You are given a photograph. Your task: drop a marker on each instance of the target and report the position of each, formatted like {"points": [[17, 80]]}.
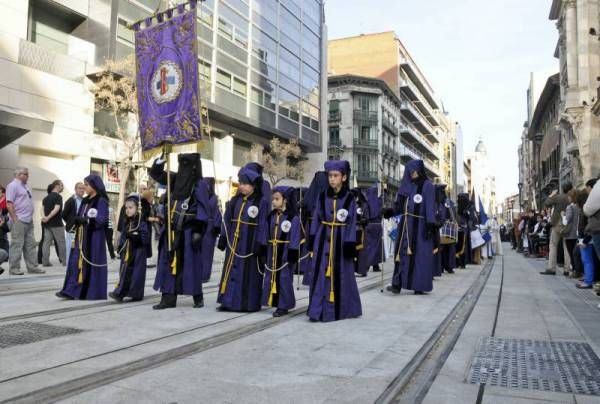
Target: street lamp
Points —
{"points": [[520, 185]]}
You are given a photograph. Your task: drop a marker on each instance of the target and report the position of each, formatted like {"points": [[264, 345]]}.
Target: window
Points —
{"points": [[289, 64], [224, 79], [290, 25], [204, 70], [289, 104], [334, 135], [50, 26], [205, 12], [334, 105], [239, 87], [256, 95], [365, 103], [233, 26]]}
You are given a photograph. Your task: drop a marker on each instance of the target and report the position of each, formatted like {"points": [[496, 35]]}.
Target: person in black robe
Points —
{"points": [[466, 223]]}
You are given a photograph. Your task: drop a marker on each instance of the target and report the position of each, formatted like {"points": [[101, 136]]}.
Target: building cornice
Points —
{"points": [[352, 79], [550, 89]]}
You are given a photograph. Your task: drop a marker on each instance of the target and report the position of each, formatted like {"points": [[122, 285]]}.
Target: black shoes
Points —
{"points": [[418, 292], [361, 275], [548, 272], [280, 312], [376, 268], [198, 302], [222, 308], [166, 302], [61, 295], [1, 271], [115, 297], [450, 271], [394, 289]]}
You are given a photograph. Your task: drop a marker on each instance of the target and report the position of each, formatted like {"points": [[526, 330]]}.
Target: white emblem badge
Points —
{"points": [[166, 82], [417, 198], [92, 213], [342, 215], [253, 211], [447, 204], [359, 211], [286, 225]]}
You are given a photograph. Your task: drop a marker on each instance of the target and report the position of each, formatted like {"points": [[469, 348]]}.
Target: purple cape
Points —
{"points": [[334, 292], [283, 242], [134, 252], [82, 280], [245, 226]]}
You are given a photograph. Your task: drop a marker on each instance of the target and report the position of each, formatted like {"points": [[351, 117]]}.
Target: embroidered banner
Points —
{"points": [[167, 78]]}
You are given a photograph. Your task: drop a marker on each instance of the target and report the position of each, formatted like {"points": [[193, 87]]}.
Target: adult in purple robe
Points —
{"points": [[333, 290], [440, 215], [212, 231], [283, 249], [362, 220], [466, 223], [413, 252], [87, 272], [243, 232], [318, 185], [133, 252], [448, 251], [374, 230], [179, 268]]}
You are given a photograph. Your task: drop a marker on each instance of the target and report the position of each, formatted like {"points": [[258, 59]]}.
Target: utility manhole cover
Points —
{"points": [[563, 367], [27, 332]]}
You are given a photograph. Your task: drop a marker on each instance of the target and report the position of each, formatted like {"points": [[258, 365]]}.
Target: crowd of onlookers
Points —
{"points": [[566, 232], [17, 221]]}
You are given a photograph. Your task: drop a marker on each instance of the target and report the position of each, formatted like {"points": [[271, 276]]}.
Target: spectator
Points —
{"points": [[40, 249], [558, 203], [2, 200], [19, 203], [570, 220], [53, 225], [4, 246], [592, 211], [68, 215]]}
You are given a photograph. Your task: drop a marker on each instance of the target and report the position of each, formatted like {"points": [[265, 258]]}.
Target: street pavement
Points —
{"points": [[128, 352]]}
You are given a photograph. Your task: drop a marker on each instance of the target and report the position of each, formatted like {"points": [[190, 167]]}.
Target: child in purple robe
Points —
{"points": [[87, 272], [133, 251], [283, 246], [243, 232], [333, 289]]}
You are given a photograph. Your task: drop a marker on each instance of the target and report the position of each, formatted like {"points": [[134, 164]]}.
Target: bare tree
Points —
{"points": [[280, 160], [115, 94]]}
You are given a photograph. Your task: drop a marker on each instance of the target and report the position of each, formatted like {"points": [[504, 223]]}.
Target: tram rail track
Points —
{"points": [[66, 389]]}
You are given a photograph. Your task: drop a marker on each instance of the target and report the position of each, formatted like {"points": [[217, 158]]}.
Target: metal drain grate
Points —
{"points": [[28, 332], [563, 367]]}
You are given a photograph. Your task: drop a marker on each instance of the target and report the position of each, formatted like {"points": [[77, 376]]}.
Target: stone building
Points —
{"points": [[578, 24]]}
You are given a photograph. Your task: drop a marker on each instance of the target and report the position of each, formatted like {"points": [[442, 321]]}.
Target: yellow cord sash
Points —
{"points": [[274, 243], [236, 237]]}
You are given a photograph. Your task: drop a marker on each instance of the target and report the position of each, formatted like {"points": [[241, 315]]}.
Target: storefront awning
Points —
{"points": [[14, 123]]}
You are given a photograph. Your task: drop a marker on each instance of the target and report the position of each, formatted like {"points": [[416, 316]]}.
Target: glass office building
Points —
{"points": [[260, 62]]}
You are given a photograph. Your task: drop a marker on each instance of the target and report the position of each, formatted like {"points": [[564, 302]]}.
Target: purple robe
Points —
{"points": [[187, 279], [416, 203], [210, 237], [441, 219], [334, 295], [282, 246], [362, 217], [84, 281], [240, 288], [133, 254]]}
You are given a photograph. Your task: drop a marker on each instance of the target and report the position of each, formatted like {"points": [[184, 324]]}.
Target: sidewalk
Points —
{"points": [[535, 307]]}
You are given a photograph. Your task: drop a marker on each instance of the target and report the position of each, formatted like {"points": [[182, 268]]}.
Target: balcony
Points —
{"points": [[407, 153], [414, 137], [411, 114], [366, 176], [393, 182], [57, 64], [334, 116], [415, 95], [390, 152], [335, 144], [366, 143], [368, 117], [390, 126]]}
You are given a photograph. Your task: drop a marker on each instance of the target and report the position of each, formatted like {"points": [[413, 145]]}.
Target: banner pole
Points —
{"points": [[168, 218]]}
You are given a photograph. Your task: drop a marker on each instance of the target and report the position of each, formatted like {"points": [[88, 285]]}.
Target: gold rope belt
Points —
{"points": [[333, 223], [243, 222], [279, 241]]}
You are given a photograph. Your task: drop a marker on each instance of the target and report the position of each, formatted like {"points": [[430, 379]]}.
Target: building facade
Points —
{"points": [[364, 128], [383, 56], [578, 24], [262, 65]]}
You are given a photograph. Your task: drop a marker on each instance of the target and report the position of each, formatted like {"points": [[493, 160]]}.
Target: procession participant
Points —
{"points": [[317, 186], [333, 289], [179, 269], [283, 246], [448, 251], [87, 270], [133, 252], [374, 231], [440, 215], [415, 246], [243, 231], [362, 220], [466, 223], [212, 231]]}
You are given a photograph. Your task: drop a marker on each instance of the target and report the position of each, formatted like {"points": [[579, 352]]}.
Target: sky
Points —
{"points": [[476, 54]]}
